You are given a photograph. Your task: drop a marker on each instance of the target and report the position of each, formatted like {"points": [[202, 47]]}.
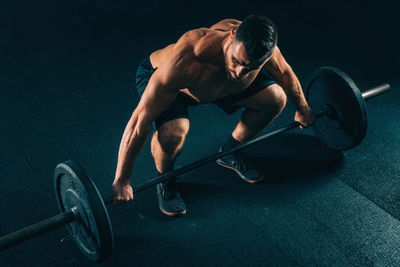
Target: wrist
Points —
{"points": [[303, 108], [121, 180]]}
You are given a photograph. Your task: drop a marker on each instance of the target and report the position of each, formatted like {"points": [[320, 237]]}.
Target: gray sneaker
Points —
{"points": [[242, 165], [169, 200]]}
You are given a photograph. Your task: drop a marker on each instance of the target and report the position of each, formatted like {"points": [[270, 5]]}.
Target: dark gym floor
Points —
{"points": [[68, 88]]}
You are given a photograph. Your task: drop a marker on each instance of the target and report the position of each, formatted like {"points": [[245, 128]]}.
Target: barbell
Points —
{"points": [[341, 123]]}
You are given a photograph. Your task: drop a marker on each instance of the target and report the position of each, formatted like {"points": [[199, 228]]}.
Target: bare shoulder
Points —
{"points": [[276, 56], [226, 25], [185, 61], [190, 38], [202, 43], [277, 64], [180, 64]]}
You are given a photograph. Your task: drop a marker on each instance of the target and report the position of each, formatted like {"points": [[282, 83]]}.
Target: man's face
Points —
{"points": [[237, 62]]}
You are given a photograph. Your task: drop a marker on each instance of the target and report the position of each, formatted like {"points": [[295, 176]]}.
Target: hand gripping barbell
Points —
{"points": [[341, 123]]}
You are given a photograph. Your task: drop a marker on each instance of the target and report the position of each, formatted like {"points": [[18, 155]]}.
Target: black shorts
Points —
{"points": [[178, 108]]}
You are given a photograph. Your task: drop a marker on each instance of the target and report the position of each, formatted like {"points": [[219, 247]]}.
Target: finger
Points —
{"points": [[119, 201], [127, 199]]}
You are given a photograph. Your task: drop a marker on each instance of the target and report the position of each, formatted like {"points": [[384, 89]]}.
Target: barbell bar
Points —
{"points": [[343, 117]]}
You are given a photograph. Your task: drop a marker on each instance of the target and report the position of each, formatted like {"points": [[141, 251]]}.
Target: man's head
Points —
{"points": [[250, 45]]}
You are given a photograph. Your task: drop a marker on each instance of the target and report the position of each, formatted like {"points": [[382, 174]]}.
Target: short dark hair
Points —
{"points": [[259, 36]]}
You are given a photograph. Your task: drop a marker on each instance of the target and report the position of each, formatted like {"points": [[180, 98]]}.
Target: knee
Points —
{"points": [[279, 98], [171, 136]]}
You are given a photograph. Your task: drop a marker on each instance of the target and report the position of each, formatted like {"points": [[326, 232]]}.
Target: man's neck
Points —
{"points": [[225, 43]]}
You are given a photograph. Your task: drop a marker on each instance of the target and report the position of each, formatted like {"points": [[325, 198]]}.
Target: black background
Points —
{"points": [[67, 89]]}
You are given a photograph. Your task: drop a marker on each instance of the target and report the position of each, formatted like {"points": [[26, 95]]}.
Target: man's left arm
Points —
{"points": [[287, 79]]}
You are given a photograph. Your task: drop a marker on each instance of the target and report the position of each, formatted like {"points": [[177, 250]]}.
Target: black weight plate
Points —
{"points": [[92, 231], [347, 125]]}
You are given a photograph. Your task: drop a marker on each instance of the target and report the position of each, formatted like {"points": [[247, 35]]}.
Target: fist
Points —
{"points": [[305, 117], [122, 192]]}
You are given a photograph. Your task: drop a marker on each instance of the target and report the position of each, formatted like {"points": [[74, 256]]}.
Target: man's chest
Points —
{"points": [[213, 83]]}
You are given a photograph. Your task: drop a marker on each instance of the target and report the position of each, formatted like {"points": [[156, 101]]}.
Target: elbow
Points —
{"points": [[142, 127]]}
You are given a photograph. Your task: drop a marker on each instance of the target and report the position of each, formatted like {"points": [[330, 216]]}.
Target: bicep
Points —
{"points": [[162, 89], [155, 99]]}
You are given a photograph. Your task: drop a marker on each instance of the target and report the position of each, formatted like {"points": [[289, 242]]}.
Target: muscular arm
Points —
{"points": [[284, 75], [161, 90]]}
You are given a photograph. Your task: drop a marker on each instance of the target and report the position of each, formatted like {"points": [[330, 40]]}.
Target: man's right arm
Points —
{"points": [[161, 90]]}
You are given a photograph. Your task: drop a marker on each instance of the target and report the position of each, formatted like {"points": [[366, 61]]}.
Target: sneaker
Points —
{"points": [[242, 165], [169, 200]]}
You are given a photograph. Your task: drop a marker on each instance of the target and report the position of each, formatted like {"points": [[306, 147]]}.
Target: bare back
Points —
{"points": [[205, 62]]}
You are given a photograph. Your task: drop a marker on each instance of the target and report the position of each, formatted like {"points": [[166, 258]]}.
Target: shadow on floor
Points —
{"points": [[290, 157], [286, 159]]}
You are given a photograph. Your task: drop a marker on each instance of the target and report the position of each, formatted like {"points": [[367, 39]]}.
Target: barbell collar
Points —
{"points": [[72, 215], [378, 90]]}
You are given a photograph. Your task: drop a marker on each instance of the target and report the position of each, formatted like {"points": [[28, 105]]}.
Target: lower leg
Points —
{"points": [[164, 156], [165, 147], [251, 122]]}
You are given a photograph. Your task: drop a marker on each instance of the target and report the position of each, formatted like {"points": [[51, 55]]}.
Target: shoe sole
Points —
{"points": [[173, 214], [249, 181]]}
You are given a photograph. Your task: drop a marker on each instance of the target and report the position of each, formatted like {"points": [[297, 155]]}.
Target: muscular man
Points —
{"points": [[232, 64]]}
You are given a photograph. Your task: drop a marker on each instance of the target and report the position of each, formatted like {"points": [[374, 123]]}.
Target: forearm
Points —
{"points": [[293, 90], [133, 140]]}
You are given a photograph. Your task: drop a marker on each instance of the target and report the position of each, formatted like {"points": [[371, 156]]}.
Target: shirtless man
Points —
{"points": [[222, 65]]}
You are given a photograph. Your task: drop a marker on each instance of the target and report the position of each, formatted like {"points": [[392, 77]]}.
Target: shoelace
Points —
{"points": [[168, 189]]}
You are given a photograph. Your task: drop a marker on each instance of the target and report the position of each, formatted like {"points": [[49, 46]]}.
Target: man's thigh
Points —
{"points": [[270, 98]]}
